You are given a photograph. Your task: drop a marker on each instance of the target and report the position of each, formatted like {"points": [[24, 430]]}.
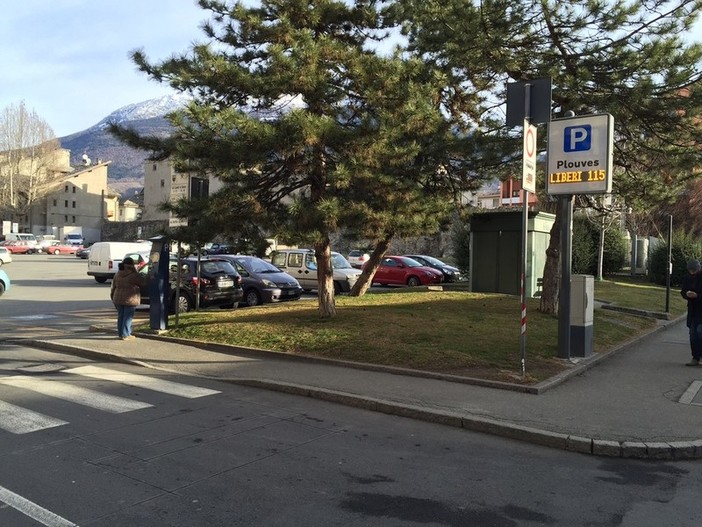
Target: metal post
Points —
{"points": [[566, 211], [525, 227], [669, 267]]}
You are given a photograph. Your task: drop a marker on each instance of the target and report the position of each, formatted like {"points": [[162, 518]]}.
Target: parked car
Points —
{"points": [[262, 281], [218, 248], [400, 270], [220, 284], [5, 256], [56, 247], [20, 247], [4, 282], [451, 273], [83, 252], [301, 264], [357, 258]]}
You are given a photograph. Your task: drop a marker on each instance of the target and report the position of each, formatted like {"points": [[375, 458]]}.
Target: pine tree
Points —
{"points": [[307, 122], [628, 59]]}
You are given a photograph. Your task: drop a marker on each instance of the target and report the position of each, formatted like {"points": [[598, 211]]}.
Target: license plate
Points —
{"points": [[226, 283]]}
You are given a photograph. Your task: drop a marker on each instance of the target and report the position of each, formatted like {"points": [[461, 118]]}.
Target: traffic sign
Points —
{"points": [[580, 155], [529, 158]]}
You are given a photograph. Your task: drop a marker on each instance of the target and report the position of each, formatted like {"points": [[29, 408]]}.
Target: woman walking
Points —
{"points": [[126, 295]]}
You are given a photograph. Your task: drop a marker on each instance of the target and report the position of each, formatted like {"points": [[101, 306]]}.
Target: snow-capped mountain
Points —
{"points": [[145, 110], [126, 170]]}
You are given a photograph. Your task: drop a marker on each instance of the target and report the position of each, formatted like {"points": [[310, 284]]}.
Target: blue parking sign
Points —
{"points": [[577, 138], [580, 155]]}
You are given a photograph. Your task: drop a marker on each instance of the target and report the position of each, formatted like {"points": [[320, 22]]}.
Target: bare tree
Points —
{"points": [[29, 159]]}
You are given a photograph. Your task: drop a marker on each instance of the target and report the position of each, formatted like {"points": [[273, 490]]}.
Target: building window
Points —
{"points": [[65, 219], [155, 166], [65, 203], [74, 219], [74, 190], [163, 183], [199, 187], [65, 188], [55, 202], [74, 204]]}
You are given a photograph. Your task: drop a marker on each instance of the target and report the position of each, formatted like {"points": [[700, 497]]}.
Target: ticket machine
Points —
{"points": [[159, 289]]}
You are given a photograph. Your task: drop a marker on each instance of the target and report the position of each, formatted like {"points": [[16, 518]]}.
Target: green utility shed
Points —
{"points": [[496, 251]]}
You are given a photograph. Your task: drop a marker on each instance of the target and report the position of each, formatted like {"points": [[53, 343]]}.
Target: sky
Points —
{"points": [[68, 60]]}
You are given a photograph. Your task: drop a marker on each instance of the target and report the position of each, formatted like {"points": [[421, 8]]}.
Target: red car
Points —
{"points": [[19, 247], [400, 270], [57, 247]]}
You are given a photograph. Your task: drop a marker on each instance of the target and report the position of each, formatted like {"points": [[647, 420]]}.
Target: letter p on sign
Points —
{"points": [[577, 138]]}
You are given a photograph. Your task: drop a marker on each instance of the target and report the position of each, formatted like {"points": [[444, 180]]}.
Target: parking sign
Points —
{"points": [[580, 155]]}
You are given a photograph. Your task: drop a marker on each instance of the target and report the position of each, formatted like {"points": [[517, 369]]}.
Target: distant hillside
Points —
{"points": [[126, 172]]}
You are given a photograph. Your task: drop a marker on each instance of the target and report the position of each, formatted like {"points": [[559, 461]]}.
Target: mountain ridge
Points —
{"points": [[126, 170]]}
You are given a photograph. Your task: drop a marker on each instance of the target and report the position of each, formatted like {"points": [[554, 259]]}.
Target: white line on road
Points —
{"points": [[33, 510], [690, 393], [18, 420], [143, 381], [75, 394]]}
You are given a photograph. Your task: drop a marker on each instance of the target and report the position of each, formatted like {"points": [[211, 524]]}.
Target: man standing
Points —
{"points": [[692, 292]]}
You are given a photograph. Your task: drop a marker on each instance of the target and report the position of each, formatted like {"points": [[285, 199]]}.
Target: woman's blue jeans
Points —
{"points": [[125, 315]]}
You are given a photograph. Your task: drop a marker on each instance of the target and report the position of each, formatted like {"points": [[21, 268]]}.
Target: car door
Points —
{"points": [[382, 275], [395, 272]]}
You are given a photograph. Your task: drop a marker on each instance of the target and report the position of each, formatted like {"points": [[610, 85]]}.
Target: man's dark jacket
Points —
{"points": [[693, 282]]}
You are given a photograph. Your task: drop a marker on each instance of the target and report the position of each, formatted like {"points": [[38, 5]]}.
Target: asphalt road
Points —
{"points": [[134, 451]]}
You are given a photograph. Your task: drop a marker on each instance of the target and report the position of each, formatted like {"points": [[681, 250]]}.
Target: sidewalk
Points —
{"points": [[641, 402]]}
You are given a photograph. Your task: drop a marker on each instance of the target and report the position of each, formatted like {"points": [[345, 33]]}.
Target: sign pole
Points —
{"points": [[525, 232]]}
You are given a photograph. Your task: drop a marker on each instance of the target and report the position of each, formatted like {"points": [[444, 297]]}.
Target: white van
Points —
{"points": [[302, 264], [22, 237], [104, 257]]}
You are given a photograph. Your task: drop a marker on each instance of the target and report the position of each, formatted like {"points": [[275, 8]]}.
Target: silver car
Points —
{"points": [[262, 281]]}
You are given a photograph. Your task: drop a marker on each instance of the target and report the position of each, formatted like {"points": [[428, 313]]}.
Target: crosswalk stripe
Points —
{"points": [[18, 420], [76, 394], [142, 381]]}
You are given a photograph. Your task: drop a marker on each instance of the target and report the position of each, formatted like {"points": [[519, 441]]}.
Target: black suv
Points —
{"points": [[220, 284]]}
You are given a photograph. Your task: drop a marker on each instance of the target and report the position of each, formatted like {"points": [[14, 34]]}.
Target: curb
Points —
{"points": [[659, 450]]}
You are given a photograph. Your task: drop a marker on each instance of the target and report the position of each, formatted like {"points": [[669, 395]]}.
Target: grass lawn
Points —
{"points": [[456, 332]]}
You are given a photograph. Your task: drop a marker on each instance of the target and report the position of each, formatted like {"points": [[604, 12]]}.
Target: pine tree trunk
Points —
{"points": [[366, 279], [550, 290], [325, 279]]}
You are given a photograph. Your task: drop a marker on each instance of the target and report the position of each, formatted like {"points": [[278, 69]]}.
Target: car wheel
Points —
{"points": [[252, 298], [413, 281], [57, 251], [100, 279], [337, 288], [184, 304], [2, 288]]}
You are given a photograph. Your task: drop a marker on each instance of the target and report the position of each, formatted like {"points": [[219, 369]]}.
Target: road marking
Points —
{"points": [[143, 381], [690, 393], [18, 420], [76, 394], [34, 511]]}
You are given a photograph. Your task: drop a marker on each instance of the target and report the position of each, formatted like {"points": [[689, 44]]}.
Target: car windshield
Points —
{"points": [[259, 266], [339, 262], [217, 267], [434, 261], [409, 262]]}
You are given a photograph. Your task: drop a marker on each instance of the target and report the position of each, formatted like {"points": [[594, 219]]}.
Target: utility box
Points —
{"points": [[495, 252], [582, 300]]}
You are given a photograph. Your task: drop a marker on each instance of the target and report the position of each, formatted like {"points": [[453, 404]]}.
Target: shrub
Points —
{"points": [[685, 247], [586, 243]]}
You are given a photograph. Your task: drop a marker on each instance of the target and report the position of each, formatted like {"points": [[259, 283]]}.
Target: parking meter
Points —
{"points": [[159, 289]]}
